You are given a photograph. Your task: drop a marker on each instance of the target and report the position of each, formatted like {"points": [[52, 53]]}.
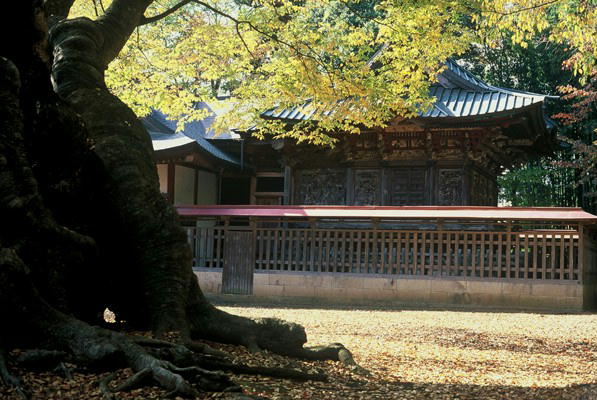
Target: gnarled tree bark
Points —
{"points": [[81, 212]]}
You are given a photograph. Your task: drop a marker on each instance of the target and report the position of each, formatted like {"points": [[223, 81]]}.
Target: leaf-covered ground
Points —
{"points": [[410, 355]]}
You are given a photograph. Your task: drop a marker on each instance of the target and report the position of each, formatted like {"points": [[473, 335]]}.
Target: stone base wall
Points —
{"points": [[362, 289]]}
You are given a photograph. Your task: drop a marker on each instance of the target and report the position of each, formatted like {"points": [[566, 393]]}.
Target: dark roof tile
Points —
{"points": [[461, 94]]}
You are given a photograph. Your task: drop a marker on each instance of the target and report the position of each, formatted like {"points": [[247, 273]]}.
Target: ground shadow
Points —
{"points": [[235, 300]]}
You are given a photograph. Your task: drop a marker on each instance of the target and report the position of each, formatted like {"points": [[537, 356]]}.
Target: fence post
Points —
{"points": [[583, 269]]}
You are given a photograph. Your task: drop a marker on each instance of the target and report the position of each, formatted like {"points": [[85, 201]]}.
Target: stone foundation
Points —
{"points": [[360, 289]]}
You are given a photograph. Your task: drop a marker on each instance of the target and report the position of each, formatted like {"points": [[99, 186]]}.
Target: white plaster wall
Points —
{"points": [[184, 184], [163, 175], [207, 188]]}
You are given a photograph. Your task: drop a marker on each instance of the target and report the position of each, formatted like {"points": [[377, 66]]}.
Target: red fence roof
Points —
{"points": [[420, 212]]}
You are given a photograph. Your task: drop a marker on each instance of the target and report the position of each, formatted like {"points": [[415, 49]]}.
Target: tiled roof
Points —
{"points": [[457, 102], [164, 136], [458, 93], [214, 110]]}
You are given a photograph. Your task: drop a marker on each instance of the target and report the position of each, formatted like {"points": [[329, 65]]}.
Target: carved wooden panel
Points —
{"points": [[483, 190], [367, 188], [320, 186], [363, 147], [450, 187], [404, 141], [405, 187]]}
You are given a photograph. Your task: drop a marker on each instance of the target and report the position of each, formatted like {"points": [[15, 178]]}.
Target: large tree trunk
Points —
{"points": [[84, 226]]}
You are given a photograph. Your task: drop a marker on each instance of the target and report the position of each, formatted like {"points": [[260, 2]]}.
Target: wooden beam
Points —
{"points": [[170, 181]]}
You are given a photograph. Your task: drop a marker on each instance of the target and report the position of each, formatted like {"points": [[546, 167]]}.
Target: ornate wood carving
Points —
{"points": [[321, 186], [367, 184], [405, 186], [447, 140], [364, 146], [450, 187], [483, 190], [404, 141]]}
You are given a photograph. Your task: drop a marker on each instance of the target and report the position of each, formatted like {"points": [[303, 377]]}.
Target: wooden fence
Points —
{"points": [[497, 250]]}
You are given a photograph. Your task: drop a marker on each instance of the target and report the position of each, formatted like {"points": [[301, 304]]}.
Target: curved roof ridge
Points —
{"points": [[461, 73]]}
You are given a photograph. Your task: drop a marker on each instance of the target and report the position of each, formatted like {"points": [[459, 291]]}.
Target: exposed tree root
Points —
{"points": [[149, 368], [282, 373], [192, 345], [105, 388], [63, 370], [278, 336], [184, 356], [137, 380], [175, 367], [8, 379], [336, 352], [41, 359]]}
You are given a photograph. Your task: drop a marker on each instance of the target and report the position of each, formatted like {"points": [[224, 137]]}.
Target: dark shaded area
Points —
{"points": [[235, 190]]}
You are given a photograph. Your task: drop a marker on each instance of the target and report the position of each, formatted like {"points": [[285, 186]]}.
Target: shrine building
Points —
{"points": [[405, 214]]}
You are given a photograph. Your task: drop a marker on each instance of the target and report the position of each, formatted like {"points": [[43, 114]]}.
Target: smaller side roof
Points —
{"points": [[164, 136]]}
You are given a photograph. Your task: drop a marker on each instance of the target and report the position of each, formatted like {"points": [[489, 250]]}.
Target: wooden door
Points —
{"points": [[239, 263], [405, 186]]}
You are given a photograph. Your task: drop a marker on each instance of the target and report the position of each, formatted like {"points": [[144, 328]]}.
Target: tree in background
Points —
{"points": [[580, 122], [536, 68], [540, 46]]}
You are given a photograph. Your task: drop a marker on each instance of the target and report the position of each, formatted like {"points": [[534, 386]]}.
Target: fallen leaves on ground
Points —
{"points": [[410, 354]]}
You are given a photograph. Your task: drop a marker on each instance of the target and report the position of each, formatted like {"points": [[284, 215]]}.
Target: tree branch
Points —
{"points": [[148, 20], [238, 22], [116, 26], [547, 3], [270, 36]]}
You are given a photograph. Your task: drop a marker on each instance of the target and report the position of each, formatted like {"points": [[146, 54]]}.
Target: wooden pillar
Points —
{"points": [[195, 185], [349, 201], [431, 191], [383, 186], [583, 267], [252, 190], [171, 181], [287, 185], [466, 183], [219, 186]]}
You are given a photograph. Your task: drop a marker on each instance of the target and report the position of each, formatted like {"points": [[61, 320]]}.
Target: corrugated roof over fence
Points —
{"points": [[404, 212], [458, 94]]}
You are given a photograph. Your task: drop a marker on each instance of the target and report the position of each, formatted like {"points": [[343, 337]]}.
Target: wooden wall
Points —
{"points": [[422, 183]]}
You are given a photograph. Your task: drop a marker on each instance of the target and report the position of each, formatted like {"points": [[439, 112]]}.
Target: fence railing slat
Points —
{"points": [[518, 254]]}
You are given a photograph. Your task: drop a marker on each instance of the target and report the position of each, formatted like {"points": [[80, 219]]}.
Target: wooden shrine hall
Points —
{"points": [[448, 155], [403, 214]]}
